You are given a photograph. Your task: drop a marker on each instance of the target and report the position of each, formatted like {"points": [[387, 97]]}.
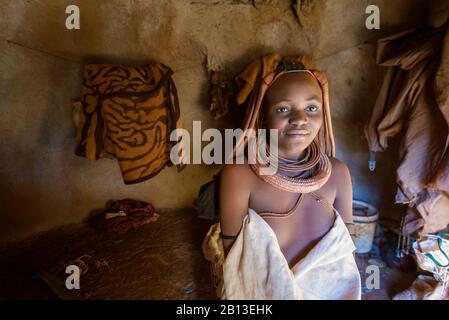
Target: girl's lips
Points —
{"points": [[298, 132]]}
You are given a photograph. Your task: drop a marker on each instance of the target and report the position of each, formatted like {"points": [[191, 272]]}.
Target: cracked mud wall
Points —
{"points": [[43, 184]]}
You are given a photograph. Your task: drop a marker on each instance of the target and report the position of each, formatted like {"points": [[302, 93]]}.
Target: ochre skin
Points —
{"points": [[292, 103]]}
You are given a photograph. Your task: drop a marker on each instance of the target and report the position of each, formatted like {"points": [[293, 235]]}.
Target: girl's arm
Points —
{"points": [[234, 194], [343, 199]]}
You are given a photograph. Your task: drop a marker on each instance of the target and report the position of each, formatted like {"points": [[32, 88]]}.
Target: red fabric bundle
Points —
{"points": [[125, 215]]}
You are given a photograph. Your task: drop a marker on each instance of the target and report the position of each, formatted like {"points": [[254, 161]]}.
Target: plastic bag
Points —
{"points": [[432, 254]]}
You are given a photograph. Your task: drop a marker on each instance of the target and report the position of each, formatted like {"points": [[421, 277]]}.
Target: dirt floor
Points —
{"points": [[161, 260]]}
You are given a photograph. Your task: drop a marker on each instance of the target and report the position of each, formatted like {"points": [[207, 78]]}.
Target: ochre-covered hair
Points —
{"points": [[256, 78]]}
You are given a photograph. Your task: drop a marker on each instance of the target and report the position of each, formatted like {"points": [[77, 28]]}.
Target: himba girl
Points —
{"points": [[283, 236]]}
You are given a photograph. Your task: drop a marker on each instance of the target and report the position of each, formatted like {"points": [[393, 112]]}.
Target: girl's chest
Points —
{"points": [[298, 221]]}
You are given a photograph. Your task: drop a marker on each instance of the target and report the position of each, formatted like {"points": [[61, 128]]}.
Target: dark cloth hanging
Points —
{"points": [[414, 100]]}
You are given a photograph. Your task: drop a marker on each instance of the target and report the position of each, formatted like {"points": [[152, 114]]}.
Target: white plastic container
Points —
{"points": [[364, 227]]}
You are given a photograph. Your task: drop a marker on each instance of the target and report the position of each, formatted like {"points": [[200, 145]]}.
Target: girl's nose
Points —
{"points": [[298, 118]]}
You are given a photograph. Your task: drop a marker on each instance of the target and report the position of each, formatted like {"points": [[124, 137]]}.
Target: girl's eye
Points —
{"points": [[281, 109], [312, 108]]}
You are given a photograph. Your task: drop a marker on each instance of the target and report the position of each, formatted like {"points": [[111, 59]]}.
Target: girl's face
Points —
{"points": [[293, 105]]}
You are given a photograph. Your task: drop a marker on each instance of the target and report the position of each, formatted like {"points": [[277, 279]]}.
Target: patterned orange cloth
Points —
{"points": [[128, 114]]}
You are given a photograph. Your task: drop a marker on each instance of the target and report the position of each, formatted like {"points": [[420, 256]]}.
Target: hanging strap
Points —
{"points": [[431, 256]]}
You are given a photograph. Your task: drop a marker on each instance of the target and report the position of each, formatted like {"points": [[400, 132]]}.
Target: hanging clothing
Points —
{"points": [[256, 269], [414, 100], [206, 204], [221, 94], [128, 114]]}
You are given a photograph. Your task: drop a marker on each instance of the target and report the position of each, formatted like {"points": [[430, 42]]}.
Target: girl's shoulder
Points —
{"points": [[339, 176], [340, 173], [338, 166], [240, 173]]}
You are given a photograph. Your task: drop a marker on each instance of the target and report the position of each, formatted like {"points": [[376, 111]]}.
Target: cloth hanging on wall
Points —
{"points": [[414, 100], [221, 94], [128, 113]]}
